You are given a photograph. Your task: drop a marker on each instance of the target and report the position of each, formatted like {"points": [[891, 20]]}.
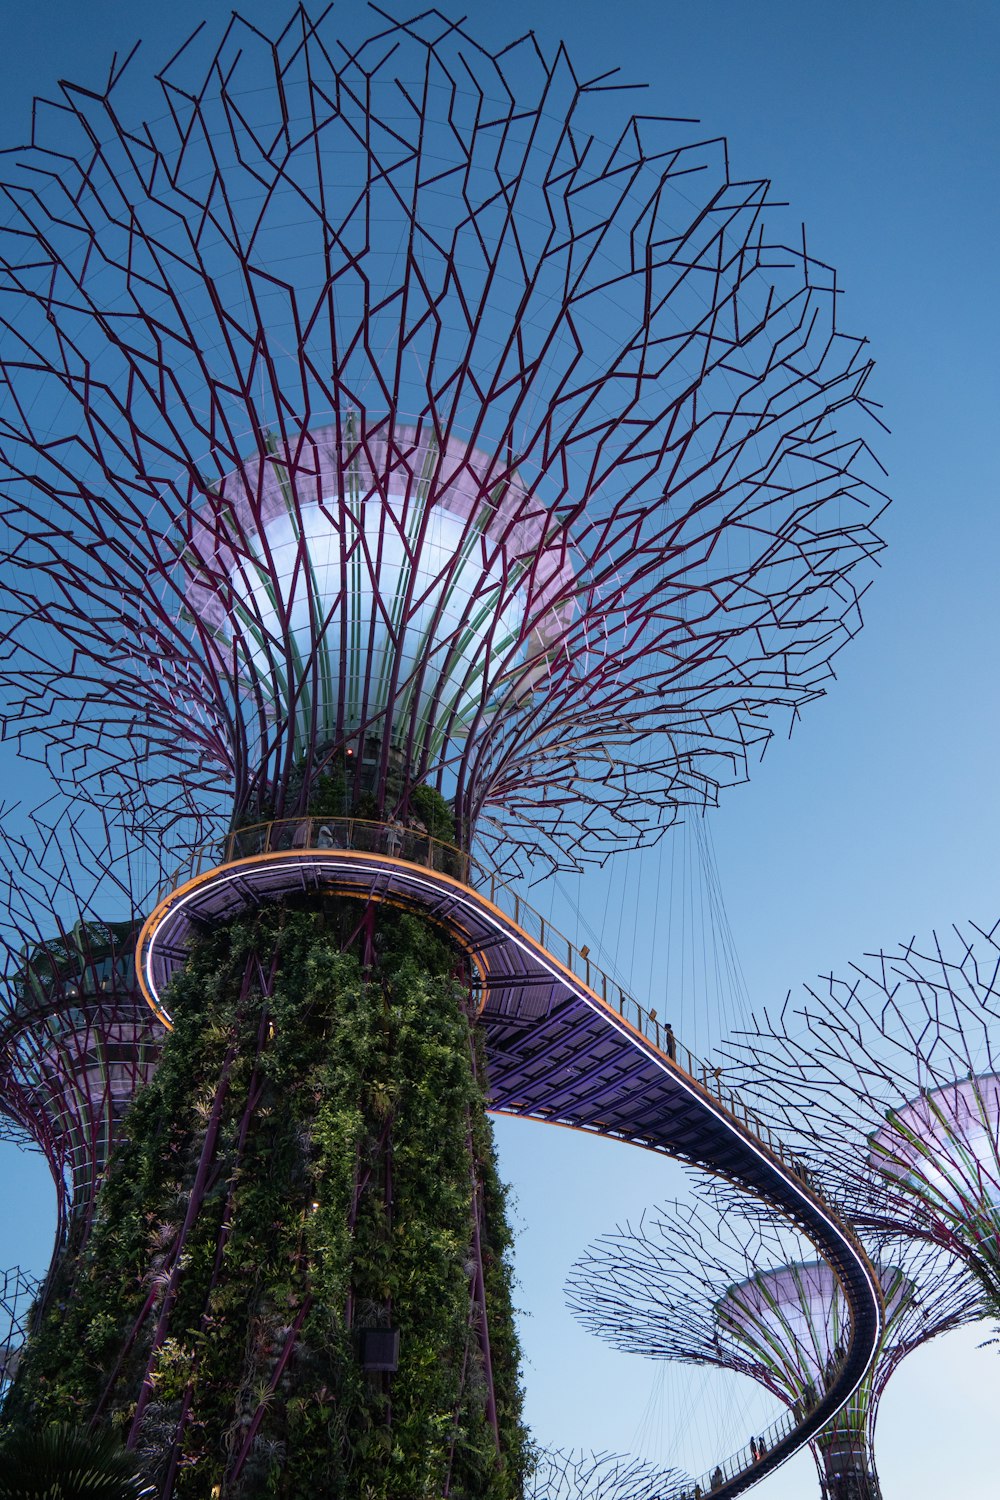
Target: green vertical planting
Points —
{"points": [[301, 1165]]}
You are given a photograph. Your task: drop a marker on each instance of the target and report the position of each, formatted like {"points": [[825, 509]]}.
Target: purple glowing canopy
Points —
{"points": [[381, 274], [943, 1148], [710, 1284], [794, 1319], [384, 587]]}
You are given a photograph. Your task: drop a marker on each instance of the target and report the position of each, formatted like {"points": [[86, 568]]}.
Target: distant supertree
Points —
{"points": [[712, 1285], [889, 1081], [388, 464], [561, 1475], [18, 1291], [77, 1039]]}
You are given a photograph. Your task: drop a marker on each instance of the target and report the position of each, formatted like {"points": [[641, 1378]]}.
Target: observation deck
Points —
{"points": [[565, 1044]]}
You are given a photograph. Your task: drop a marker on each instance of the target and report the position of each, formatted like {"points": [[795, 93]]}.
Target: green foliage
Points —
{"points": [[335, 1192], [328, 795], [64, 1463], [434, 812], [331, 793], [366, 807]]}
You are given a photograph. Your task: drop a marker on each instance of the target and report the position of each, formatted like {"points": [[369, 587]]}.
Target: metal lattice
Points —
{"points": [[18, 1291], [888, 1082], [367, 404], [567, 1475], [370, 425]]}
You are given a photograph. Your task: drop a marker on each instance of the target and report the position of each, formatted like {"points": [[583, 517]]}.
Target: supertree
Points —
{"points": [[712, 1284], [888, 1080], [77, 1039], [390, 463], [18, 1291]]}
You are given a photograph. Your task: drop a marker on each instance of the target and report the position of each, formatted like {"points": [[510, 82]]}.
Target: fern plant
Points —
{"points": [[67, 1463]]}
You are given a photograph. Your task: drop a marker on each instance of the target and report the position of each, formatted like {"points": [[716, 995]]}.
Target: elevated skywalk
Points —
{"points": [[564, 1043]]}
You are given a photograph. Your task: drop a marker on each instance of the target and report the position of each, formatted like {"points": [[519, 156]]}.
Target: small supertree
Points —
{"points": [[888, 1081], [379, 445], [562, 1475], [18, 1291], [715, 1285], [77, 1040]]}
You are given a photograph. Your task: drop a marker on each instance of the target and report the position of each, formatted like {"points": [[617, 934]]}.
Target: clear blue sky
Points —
{"points": [[878, 121]]}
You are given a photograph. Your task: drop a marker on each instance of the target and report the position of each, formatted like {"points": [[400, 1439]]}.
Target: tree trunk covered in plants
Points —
{"points": [[311, 1158]]}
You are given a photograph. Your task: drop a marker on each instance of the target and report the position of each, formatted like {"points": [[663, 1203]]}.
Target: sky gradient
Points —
{"points": [[877, 121]]}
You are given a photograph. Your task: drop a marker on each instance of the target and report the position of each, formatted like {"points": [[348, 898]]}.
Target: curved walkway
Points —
{"points": [[564, 1043]]}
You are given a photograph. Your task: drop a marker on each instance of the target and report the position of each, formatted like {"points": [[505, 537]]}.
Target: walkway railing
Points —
{"points": [[614, 995], [743, 1461], [282, 835], [398, 839]]}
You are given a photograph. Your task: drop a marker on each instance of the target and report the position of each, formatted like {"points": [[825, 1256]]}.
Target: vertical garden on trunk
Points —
{"points": [[311, 1160]]}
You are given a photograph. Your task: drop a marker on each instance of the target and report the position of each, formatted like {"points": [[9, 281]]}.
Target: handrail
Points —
{"points": [[709, 1079], [396, 839], [409, 841], [746, 1457], [614, 994]]}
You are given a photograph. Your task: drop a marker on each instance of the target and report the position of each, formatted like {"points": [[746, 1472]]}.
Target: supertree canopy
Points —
{"points": [[390, 462], [888, 1082], [77, 1040], [401, 416], [943, 1150], [706, 1284]]}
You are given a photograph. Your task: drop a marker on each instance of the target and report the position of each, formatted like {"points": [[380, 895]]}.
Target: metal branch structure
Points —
{"points": [[391, 465], [18, 1292], [76, 1037], [561, 1475], [370, 405], [712, 1284], [888, 1081]]}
